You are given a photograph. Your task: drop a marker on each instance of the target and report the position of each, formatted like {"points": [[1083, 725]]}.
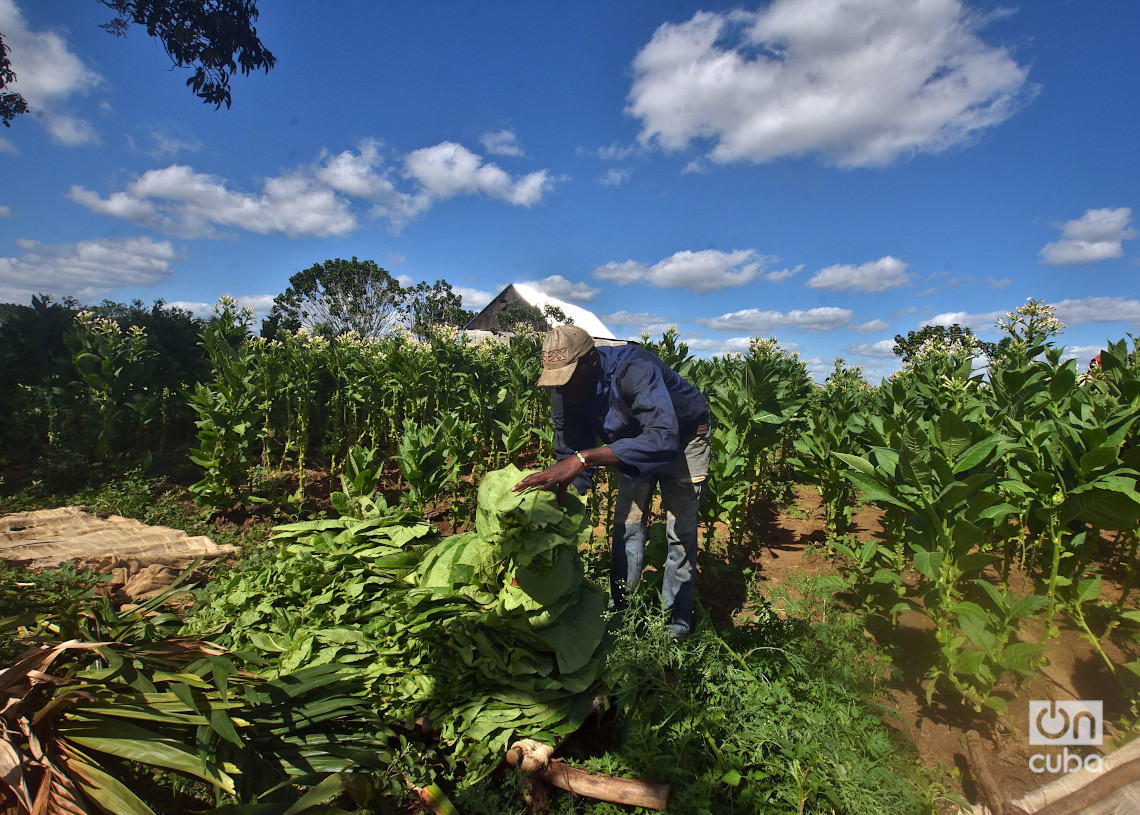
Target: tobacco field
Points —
{"points": [[399, 617]]}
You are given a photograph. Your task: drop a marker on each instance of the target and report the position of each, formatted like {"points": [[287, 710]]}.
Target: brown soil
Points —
{"points": [[788, 541]]}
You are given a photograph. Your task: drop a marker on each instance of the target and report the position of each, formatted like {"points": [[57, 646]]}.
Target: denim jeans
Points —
{"points": [[680, 483]]}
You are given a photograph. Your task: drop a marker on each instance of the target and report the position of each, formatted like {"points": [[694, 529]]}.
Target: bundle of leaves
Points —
{"points": [[100, 703], [321, 595], [506, 632], [490, 635]]}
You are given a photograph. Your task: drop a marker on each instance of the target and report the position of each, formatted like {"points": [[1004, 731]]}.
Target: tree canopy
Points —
{"points": [[214, 37], [434, 305], [954, 335], [520, 317], [338, 296], [11, 104]]}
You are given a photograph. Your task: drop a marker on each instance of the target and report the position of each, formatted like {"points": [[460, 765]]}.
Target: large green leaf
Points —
{"points": [[953, 434], [856, 462], [575, 639], [928, 564], [127, 741], [547, 586], [102, 788], [1021, 657], [874, 491], [1104, 508], [985, 449]]}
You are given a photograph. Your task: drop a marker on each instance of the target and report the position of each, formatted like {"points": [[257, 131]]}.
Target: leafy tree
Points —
{"points": [[214, 37], [956, 335], [11, 104], [338, 296], [435, 305], [520, 317]]}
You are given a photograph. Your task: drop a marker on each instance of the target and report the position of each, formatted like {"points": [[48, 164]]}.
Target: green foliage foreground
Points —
{"points": [[497, 634], [309, 666]]}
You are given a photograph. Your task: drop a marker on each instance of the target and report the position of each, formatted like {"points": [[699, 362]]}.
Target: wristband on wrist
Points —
{"points": [[581, 458]]}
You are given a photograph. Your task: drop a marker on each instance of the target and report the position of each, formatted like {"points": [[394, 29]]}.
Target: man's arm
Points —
{"points": [[559, 476]]}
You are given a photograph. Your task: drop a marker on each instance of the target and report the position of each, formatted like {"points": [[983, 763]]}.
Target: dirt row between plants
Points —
{"points": [[789, 542]]}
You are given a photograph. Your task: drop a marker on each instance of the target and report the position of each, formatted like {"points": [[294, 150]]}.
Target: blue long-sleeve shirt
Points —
{"points": [[641, 408]]}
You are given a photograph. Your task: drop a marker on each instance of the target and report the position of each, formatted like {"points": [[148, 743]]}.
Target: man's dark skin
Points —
{"points": [[557, 477]]}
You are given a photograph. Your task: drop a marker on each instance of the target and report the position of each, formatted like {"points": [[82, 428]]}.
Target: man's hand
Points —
{"points": [[556, 477]]}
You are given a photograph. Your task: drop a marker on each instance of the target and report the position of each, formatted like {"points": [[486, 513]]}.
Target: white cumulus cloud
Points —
{"points": [[179, 201], [703, 271], [1097, 235], [871, 327], [47, 75], [87, 270], [878, 275], [615, 177], [1098, 310], [503, 143], [980, 321], [883, 349], [169, 138], [754, 321], [629, 318], [325, 199], [449, 169], [858, 82], [473, 299], [559, 287], [704, 345]]}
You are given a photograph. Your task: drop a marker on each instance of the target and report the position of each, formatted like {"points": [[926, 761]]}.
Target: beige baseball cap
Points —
{"points": [[563, 347]]}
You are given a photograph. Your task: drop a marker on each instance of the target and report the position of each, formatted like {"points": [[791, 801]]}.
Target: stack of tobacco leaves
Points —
{"points": [[493, 634]]}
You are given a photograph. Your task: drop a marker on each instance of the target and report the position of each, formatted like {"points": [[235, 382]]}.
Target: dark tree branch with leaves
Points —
{"points": [[216, 38], [11, 104], [520, 317]]}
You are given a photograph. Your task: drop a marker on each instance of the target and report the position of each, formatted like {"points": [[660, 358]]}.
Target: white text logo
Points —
{"points": [[1054, 723]]}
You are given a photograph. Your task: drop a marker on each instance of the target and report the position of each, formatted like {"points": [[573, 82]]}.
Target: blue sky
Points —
{"points": [[828, 172]]}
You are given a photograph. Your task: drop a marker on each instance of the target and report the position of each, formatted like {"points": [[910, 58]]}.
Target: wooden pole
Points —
{"points": [[989, 788], [534, 758], [1096, 790], [646, 794]]}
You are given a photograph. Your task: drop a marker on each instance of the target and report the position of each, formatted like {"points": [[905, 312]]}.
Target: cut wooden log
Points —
{"points": [[646, 794], [991, 792], [534, 757], [1095, 791]]}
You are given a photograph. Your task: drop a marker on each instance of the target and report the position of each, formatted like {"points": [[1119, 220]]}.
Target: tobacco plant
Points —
{"points": [[111, 396], [835, 422], [941, 479], [230, 410]]}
